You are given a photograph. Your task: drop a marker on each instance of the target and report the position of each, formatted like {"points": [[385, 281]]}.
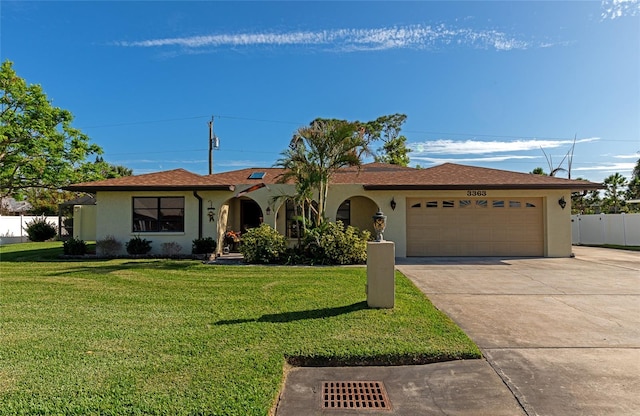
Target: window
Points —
{"points": [[293, 215], [158, 214], [448, 204], [418, 205], [344, 213], [530, 205], [256, 175], [465, 203], [514, 204], [431, 204], [481, 203], [498, 204]]}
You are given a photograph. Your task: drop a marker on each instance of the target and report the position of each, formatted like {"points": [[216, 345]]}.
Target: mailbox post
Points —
{"points": [[380, 267]]}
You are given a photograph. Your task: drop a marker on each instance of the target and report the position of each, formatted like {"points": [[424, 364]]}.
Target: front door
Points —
{"points": [[250, 214]]}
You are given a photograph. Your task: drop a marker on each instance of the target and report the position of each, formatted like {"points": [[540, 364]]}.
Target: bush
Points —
{"points": [[138, 245], [74, 247], [203, 246], [109, 247], [171, 249], [263, 245], [40, 230], [332, 244]]}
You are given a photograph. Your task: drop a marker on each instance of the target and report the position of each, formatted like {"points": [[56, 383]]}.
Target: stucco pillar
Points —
{"points": [[381, 290]]}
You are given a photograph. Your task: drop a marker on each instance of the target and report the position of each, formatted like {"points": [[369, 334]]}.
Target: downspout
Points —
{"points": [[199, 198]]}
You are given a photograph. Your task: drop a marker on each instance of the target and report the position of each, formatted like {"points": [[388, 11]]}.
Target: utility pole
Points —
{"points": [[214, 143]]}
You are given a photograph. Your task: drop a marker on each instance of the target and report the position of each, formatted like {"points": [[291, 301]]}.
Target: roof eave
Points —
{"points": [[94, 189]]}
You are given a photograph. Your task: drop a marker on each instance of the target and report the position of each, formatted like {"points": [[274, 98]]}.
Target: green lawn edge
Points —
{"points": [[179, 337]]}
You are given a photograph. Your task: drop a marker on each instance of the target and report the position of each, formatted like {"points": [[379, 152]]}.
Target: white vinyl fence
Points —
{"points": [[12, 227], [620, 229]]}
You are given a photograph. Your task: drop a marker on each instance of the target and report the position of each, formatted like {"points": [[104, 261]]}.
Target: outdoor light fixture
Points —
{"points": [[393, 203], [379, 224], [211, 211], [562, 202], [268, 211]]}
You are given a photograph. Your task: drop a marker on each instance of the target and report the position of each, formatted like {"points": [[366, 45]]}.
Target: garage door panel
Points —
{"points": [[468, 227]]}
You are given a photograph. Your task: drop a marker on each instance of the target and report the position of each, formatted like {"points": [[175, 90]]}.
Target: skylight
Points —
{"points": [[256, 175]]}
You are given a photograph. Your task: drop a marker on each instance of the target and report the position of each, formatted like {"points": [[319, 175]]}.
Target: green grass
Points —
{"points": [[179, 337]]}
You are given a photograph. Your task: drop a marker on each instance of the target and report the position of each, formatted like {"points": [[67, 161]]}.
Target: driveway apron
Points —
{"points": [[563, 334]]}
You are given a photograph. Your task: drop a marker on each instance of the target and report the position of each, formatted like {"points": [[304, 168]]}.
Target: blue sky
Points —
{"points": [[482, 83]]}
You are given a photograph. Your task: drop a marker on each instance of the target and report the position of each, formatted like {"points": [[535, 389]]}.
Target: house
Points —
{"points": [[446, 210]]}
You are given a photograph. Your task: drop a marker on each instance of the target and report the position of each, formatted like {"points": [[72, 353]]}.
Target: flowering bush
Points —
{"points": [[263, 245], [332, 244]]}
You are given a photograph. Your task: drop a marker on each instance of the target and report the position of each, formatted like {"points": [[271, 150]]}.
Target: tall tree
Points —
{"points": [[316, 152], [614, 185], [38, 146], [394, 149], [539, 171]]}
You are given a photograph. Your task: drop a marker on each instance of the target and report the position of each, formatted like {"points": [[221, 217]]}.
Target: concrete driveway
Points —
{"points": [[563, 334]]}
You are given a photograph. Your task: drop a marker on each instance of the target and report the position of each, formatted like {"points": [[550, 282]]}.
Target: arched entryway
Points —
{"points": [[357, 211], [251, 215]]}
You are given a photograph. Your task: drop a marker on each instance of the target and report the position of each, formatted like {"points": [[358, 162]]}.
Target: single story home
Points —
{"points": [[445, 210]]}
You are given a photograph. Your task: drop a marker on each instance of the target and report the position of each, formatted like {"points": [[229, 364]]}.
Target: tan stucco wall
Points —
{"points": [[557, 222], [114, 213], [115, 217], [84, 222]]}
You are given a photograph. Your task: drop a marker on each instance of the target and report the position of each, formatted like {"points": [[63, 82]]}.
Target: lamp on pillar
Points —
{"points": [[379, 224]]}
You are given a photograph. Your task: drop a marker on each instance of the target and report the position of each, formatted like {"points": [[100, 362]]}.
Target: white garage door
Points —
{"points": [[475, 227]]}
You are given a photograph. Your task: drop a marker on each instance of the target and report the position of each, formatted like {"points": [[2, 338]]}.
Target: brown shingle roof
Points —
{"points": [[454, 176], [372, 176], [166, 180]]}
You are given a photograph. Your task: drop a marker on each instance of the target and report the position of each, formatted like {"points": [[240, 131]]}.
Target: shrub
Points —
{"points": [[332, 244], [74, 247], [263, 245], [40, 230], [203, 245], [138, 245], [171, 249], [108, 247]]}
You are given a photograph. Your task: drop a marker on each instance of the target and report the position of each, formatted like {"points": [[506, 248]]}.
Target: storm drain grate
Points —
{"points": [[365, 395]]}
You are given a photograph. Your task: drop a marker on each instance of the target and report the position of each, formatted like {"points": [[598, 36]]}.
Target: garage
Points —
{"points": [[475, 226]]}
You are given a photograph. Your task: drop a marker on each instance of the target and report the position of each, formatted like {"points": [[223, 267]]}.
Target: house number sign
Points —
{"points": [[476, 193]]}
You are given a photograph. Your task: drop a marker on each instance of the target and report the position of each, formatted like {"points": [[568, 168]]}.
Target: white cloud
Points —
{"points": [[630, 156], [396, 37], [466, 147], [608, 167], [615, 9], [501, 158]]}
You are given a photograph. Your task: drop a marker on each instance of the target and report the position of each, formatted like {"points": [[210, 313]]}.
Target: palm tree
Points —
{"points": [[316, 152], [613, 190]]}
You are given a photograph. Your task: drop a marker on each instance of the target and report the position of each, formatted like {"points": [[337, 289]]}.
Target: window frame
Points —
{"points": [[346, 213], [160, 219]]}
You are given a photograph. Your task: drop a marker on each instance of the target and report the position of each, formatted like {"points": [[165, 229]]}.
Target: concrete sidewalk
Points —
{"points": [[560, 337], [469, 387]]}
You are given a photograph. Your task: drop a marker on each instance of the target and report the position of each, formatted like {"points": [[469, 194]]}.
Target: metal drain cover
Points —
{"points": [[361, 395]]}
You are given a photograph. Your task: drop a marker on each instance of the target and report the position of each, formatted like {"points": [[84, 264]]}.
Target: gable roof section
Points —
{"points": [[177, 179], [372, 176], [454, 176]]}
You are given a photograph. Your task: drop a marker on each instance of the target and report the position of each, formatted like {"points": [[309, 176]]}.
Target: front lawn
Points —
{"points": [[179, 337]]}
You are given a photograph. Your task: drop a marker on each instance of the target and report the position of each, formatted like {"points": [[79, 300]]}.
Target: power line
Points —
{"points": [[232, 117]]}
